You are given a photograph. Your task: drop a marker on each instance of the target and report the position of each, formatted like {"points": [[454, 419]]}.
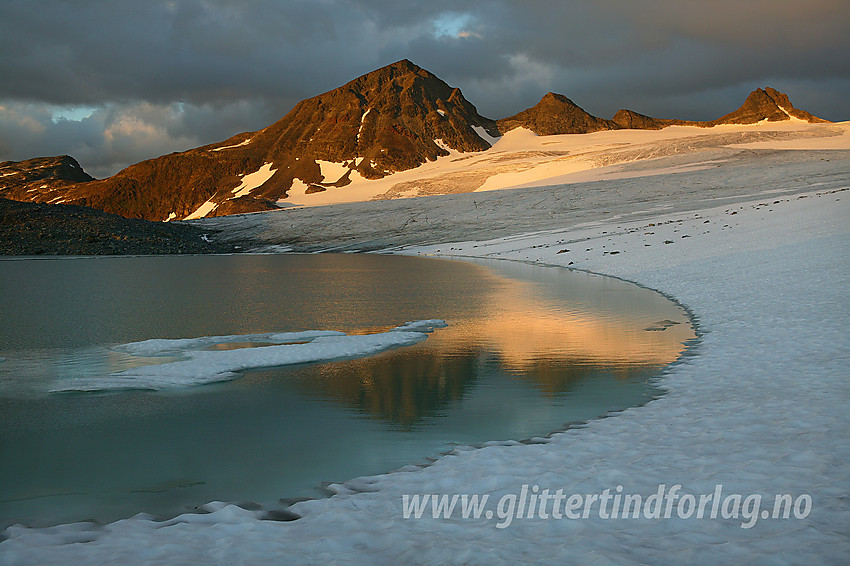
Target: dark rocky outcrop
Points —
{"points": [[40, 179], [28, 228], [762, 104], [555, 114], [386, 120], [631, 120]]}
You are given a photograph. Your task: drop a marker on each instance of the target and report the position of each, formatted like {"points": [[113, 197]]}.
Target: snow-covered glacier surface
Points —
{"points": [[761, 409]]}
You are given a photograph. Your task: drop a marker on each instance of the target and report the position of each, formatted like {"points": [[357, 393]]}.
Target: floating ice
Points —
{"points": [[208, 366], [421, 325], [164, 346]]}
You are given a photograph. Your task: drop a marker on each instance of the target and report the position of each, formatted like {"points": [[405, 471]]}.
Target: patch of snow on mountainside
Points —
{"points": [[254, 180], [232, 146], [203, 210]]}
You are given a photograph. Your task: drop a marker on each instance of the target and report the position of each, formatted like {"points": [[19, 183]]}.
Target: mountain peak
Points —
{"points": [[399, 69], [391, 119], [631, 120], [765, 104], [41, 179], [550, 96], [385, 121], [762, 104], [405, 65], [555, 114]]}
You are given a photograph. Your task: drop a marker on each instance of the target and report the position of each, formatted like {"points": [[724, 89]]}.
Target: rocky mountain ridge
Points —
{"points": [[393, 119], [557, 114], [41, 179], [389, 120]]}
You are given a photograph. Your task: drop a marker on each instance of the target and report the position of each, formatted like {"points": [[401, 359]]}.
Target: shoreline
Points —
{"points": [[552, 327], [767, 299]]}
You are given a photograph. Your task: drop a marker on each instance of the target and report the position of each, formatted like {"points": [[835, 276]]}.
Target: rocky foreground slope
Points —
{"points": [[28, 228]]}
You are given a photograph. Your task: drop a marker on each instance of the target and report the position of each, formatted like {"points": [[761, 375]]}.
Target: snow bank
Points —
{"points": [[332, 172], [482, 133], [362, 123], [204, 366]]}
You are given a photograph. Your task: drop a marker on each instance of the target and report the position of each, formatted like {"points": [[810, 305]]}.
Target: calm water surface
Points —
{"points": [[527, 351]]}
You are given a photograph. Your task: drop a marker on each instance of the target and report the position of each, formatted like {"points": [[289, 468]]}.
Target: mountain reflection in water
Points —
{"points": [[527, 350]]}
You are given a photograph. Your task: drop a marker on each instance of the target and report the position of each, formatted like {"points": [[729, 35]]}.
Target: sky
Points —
{"points": [[114, 82]]}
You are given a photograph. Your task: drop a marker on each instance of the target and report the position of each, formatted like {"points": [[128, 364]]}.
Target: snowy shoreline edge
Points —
{"points": [[795, 442]]}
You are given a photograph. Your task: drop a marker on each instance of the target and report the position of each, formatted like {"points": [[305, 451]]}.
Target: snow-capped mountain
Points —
{"points": [[391, 120]]}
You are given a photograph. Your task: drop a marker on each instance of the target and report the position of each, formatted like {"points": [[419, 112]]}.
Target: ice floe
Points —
{"points": [[166, 346], [199, 366]]}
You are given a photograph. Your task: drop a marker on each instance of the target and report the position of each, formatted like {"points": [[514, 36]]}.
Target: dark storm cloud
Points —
{"points": [[168, 75]]}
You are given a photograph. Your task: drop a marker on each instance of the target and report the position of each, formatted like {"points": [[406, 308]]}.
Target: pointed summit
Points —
{"points": [[392, 119], [765, 104], [555, 114], [387, 120]]}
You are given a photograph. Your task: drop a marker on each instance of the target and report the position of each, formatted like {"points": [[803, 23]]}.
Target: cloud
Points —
{"points": [[162, 74], [116, 135]]}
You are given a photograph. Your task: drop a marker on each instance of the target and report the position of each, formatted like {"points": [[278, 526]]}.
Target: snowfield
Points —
{"points": [[758, 406], [521, 158]]}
